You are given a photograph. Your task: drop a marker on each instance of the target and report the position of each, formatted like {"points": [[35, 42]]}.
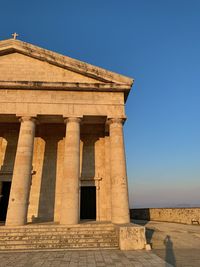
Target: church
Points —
{"points": [[62, 156]]}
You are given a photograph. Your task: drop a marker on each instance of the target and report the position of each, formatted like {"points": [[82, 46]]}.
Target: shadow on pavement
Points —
{"points": [[140, 222], [169, 251]]}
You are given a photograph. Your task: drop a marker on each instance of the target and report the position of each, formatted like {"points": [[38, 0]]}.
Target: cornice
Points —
{"points": [[65, 86]]}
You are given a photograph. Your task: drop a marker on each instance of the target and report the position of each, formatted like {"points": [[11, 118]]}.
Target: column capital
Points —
{"points": [[116, 120], [72, 119], [27, 118]]}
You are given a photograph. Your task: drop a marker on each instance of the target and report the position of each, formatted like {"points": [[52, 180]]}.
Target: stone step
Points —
{"points": [[43, 226], [58, 237], [58, 240], [59, 246], [4, 236], [53, 229], [38, 238], [2, 233], [53, 235]]}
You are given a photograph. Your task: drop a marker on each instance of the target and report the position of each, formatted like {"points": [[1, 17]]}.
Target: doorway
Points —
{"points": [[4, 198], [88, 202]]}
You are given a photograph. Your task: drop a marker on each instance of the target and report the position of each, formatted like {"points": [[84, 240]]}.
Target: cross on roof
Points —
{"points": [[15, 35]]}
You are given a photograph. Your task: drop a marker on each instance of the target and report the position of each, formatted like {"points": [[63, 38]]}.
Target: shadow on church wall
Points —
{"points": [[11, 137], [48, 181], [8, 146], [88, 157]]}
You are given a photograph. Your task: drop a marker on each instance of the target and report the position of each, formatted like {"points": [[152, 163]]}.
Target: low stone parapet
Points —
{"points": [[177, 215]]}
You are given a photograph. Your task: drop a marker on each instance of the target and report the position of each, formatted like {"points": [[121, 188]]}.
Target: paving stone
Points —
{"points": [[102, 258], [183, 250]]}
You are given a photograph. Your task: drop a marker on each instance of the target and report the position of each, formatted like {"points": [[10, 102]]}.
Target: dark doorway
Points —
{"points": [[88, 202], [4, 198]]}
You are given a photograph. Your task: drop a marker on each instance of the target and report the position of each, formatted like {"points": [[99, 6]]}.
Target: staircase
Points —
{"points": [[47, 237]]}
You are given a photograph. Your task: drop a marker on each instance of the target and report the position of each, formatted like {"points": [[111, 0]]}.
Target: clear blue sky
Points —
{"points": [[157, 43]]}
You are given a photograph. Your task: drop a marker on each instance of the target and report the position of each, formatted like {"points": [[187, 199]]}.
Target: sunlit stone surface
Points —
{"points": [[62, 150]]}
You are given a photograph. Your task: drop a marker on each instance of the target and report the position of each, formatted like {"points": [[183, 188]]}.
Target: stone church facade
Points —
{"points": [[62, 156]]}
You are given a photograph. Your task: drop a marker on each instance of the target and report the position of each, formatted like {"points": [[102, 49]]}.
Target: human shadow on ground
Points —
{"points": [[169, 251]]}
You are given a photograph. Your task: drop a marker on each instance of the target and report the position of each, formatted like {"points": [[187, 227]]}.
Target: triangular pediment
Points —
{"points": [[20, 61], [19, 67]]}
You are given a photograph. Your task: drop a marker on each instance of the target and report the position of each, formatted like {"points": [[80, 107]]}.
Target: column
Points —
{"points": [[21, 180], [119, 187], [71, 168]]}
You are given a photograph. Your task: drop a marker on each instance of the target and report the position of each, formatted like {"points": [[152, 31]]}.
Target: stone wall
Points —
{"points": [[178, 215]]}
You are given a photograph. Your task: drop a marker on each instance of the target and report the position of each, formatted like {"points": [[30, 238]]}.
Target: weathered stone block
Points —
{"points": [[131, 237]]}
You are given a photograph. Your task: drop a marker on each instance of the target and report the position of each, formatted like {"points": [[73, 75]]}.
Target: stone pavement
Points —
{"points": [[92, 258], [177, 244], [173, 244]]}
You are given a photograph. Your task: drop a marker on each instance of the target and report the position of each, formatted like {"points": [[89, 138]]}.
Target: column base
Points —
{"points": [[12, 224], [69, 223], [120, 222]]}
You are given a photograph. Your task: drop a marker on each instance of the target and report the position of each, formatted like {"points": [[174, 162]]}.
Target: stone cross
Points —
{"points": [[15, 35]]}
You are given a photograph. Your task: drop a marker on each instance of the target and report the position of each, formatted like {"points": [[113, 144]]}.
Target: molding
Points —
{"points": [[65, 86]]}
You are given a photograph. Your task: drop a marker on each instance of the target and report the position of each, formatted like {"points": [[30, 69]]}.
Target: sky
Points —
{"points": [[155, 42]]}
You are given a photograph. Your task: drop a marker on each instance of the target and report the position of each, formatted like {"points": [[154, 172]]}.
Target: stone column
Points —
{"points": [[21, 180], [71, 168], [119, 191]]}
